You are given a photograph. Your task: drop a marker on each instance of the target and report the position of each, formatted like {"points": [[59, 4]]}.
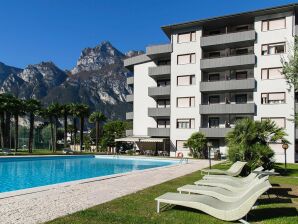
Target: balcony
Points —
{"points": [[159, 132], [160, 50], [159, 92], [129, 133], [296, 107], [129, 116], [130, 80], [162, 71], [228, 61], [159, 112], [248, 108], [215, 132], [129, 98], [228, 85], [244, 37]]}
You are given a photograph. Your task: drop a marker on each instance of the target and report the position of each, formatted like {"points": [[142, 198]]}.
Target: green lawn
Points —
{"points": [[140, 207]]}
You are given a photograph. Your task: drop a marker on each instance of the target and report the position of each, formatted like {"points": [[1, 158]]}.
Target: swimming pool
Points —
{"points": [[29, 172]]}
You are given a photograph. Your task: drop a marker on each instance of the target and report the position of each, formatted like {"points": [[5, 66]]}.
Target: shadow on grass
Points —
{"points": [[282, 192], [270, 213]]}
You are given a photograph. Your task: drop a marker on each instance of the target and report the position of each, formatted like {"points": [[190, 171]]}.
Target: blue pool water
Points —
{"points": [[22, 173]]}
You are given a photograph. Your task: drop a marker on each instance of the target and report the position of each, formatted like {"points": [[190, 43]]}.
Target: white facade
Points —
{"points": [[227, 56]]}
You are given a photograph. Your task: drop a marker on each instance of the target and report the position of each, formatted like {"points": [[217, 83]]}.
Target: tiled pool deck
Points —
{"points": [[46, 203]]}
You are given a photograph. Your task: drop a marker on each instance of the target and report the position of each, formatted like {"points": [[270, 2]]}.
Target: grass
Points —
{"points": [[140, 207]]}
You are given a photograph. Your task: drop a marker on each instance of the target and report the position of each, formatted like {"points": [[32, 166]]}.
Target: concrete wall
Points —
{"points": [[278, 85]]}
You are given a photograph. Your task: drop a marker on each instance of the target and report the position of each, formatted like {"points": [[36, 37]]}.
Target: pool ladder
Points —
{"points": [[183, 159]]}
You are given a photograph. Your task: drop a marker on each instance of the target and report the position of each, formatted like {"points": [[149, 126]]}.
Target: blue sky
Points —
{"points": [[40, 30]]}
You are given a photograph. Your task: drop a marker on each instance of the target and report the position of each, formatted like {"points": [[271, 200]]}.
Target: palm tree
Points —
{"points": [[7, 105], [82, 112], [97, 117], [54, 112], [249, 141], [73, 111], [65, 111], [33, 106], [17, 110]]}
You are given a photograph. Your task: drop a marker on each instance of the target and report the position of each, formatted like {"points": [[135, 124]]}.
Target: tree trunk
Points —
{"points": [[81, 132], [97, 135], [65, 130], [55, 134], [7, 130], [31, 130], [75, 132], [52, 134], [16, 132], [2, 129]]}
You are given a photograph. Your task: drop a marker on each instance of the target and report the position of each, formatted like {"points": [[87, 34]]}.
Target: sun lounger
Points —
{"points": [[225, 177], [227, 211], [221, 193], [233, 171]]}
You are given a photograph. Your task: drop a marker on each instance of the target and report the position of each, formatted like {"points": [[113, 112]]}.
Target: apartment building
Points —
{"points": [[211, 73]]}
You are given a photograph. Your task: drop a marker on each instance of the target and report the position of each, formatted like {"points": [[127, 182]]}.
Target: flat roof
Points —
{"points": [[168, 29]]}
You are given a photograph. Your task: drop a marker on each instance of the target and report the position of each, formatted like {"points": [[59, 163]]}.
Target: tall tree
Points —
{"points": [[33, 107], [73, 111], [54, 112], [97, 118], [65, 111], [17, 110], [82, 112]]}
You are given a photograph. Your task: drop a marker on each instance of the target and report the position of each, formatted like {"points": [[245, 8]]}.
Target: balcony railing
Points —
{"points": [[129, 98], [130, 81], [246, 108], [159, 112], [159, 50], [162, 71], [243, 84], [228, 61], [215, 132], [161, 91], [129, 116], [159, 132], [228, 38]]}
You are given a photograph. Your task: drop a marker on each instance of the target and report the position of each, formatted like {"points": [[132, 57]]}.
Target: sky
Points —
{"points": [[32, 31]]}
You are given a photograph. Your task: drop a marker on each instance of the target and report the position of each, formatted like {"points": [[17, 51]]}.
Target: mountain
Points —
{"points": [[98, 79]]}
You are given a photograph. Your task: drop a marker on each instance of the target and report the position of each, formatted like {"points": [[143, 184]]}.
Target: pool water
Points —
{"points": [[28, 172]]}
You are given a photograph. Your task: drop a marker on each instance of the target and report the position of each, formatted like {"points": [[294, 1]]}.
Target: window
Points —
{"points": [[162, 83], [186, 80], [163, 103], [242, 28], [185, 102], [241, 75], [241, 51], [241, 98], [277, 48], [164, 62], [279, 121], [213, 122], [272, 73], [213, 77], [214, 99], [185, 123], [163, 123], [273, 98], [186, 59], [186, 37], [180, 145], [274, 24], [214, 54], [214, 32]]}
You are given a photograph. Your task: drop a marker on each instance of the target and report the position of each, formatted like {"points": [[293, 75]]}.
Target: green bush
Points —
{"points": [[249, 141]]}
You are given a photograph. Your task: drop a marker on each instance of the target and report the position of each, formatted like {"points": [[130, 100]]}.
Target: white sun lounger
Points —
{"points": [[251, 176], [227, 211], [221, 193], [233, 171]]}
